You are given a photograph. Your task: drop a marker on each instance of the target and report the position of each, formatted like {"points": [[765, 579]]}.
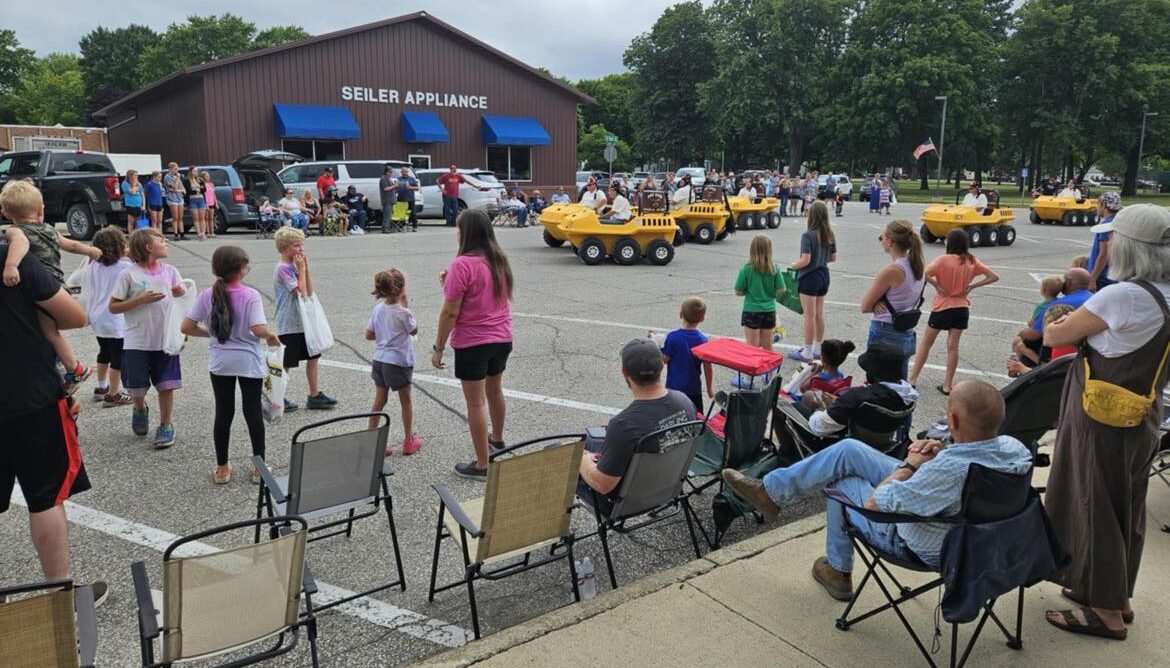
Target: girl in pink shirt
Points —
{"points": [[477, 316], [951, 274], [209, 197]]}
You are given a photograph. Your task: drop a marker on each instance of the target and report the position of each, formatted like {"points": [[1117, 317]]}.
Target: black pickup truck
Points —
{"points": [[80, 188]]}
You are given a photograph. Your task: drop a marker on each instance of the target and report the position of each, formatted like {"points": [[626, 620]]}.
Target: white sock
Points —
{"points": [[807, 350], [816, 348], [103, 386]]}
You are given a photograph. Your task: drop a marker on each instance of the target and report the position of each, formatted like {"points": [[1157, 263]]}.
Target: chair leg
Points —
{"points": [[349, 526], [687, 513], [470, 574], [955, 643], [311, 631], [435, 558], [1018, 641], [389, 503], [259, 510], [573, 573], [602, 533]]}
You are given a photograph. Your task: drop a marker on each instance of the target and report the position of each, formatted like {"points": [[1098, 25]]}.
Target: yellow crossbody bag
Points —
{"points": [[1116, 406]]}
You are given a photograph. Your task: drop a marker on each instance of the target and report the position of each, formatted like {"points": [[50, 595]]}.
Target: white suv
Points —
{"points": [[363, 174], [470, 196]]}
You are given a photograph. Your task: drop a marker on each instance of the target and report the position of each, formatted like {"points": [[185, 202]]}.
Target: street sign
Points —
{"points": [[610, 153], [1024, 172], [611, 139]]}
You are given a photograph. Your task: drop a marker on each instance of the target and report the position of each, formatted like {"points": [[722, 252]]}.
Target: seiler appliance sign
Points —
{"points": [[415, 97]]}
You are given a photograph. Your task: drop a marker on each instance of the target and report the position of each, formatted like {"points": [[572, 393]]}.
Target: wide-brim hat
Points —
{"points": [[882, 362]]}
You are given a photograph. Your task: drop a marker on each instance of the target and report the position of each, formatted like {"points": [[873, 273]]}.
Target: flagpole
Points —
{"points": [[942, 141]]}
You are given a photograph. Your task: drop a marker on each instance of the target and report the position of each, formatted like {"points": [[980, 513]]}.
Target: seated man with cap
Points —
{"points": [[974, 198], [928, 483], [654, 408]]}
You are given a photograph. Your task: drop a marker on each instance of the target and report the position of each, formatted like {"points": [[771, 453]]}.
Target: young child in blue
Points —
{"points": [[682, 368]]}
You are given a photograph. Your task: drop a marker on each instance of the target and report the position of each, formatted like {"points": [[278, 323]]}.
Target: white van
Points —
{"points": [[470, 196], [362, 174]]}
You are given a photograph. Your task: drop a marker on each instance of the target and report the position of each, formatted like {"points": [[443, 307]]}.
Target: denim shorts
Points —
{"points": [[197, 203], [143, 368], [884, 332]]}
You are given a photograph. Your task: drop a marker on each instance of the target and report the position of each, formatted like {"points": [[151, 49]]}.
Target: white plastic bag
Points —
{"points": [[318, 335], [272, 396], [177, 308], [81, 280], [77, 278], [792, 387]]}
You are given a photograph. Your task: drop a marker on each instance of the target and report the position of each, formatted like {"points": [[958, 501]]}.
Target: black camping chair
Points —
{"points": [[888, 438], [650, 489], [991, 549]]}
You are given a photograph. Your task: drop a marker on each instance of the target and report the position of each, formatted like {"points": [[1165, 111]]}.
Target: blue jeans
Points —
{"points": [[358, 219], [450, 209], [298, 220], [521, 215], [884, 332], [855, 469]]}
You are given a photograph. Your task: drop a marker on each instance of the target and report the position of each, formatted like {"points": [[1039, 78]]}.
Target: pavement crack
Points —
{"points": [[756, 624]]}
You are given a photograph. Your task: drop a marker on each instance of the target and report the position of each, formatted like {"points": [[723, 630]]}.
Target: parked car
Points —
{"points": [[489, 178], [239, 187], [698, 175], [80, 188], [844, 185], [470, 196], [362, 174]]}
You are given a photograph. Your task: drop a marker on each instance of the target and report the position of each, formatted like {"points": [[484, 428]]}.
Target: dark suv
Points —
{"points": [[80, 188], [239, 187]]}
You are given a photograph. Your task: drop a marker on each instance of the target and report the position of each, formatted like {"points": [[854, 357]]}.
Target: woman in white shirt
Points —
{"points": [[592, 197], [1070, 191]]}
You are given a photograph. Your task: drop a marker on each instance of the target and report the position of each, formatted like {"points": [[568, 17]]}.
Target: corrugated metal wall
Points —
{"points": [[405, 56], [173, 125]]}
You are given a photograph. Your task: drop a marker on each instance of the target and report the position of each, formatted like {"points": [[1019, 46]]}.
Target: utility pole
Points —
{"points": [[942, 142], [1142, 142]]}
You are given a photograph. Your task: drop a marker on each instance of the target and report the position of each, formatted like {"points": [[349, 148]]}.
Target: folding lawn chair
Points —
{"points": [[339, 478], [651, 487], [225, 601], [54, 628], [996, 545], [526, 508], [890, 439], [266, 224], [399, 215], [735, 439]]}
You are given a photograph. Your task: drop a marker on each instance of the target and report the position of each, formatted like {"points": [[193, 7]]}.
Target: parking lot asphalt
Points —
{"points": [[570, 321]]}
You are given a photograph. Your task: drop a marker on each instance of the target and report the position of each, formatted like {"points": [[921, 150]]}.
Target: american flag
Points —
{"points": [[923, 148]]}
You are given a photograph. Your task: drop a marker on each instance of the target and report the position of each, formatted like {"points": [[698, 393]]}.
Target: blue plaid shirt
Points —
{"points": [[937, 488]]}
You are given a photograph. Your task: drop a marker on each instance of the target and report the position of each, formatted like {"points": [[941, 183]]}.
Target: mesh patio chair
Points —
{"points": [[890, 440], [1000, 541], [651, 488], [334, 481], [226, 601], [526, 509], [54, 628]]}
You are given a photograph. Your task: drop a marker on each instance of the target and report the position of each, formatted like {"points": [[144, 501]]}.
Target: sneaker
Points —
{"points": [[164, 436], [320, 402], [798, 356], [471, 471], [496, 446], [289, 406], [74, 408], [99, 393], [140, 421], [101, 591], [73, 379], [114, 400], [411, 445]]}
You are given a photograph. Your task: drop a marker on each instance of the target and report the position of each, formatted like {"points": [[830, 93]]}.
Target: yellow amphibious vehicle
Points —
{"points": [[649, 234], [986, 227]]}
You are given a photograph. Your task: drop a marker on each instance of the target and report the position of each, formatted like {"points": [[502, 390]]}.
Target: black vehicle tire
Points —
{"points": [[1070, 219], [990, 236], [591, 252], [726, 231], [1007, 235], [80, 221], [926, 234], [221, 221], [1091, 218], [552, 241], [975, 235], [626, 252], [773, 220], [745, 221], [1035, 218], [660, 252], [704, 233], [760, 220]]}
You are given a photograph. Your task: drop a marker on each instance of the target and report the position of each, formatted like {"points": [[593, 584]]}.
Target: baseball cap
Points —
{"points": [[642, 360], [1144, 222]]}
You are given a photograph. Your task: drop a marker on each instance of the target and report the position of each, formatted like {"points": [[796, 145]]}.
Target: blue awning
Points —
{"points": [[310, 122], [514, 131], [423, 127]]}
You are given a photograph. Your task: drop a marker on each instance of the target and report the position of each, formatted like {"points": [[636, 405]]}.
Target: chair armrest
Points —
{"points": [[796, 417], [86, 625], [147, 615], [452, 505], [269, 480], [542, 439], [882, 516]]}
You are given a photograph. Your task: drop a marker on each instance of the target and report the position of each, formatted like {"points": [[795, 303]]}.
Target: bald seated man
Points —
{"points": [[1074, 292], [927, 483]]}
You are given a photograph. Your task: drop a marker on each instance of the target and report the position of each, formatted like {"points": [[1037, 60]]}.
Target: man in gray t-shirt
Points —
{"points": [[387, 194], [654, 408]]}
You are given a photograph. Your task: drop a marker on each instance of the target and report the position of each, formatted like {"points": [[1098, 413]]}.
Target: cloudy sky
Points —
{"points": [[572, 38]]}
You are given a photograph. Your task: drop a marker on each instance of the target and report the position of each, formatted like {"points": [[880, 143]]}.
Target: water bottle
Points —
{"points": [[588, 580]]}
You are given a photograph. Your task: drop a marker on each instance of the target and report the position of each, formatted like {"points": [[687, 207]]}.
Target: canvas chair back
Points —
{"points": [[529, 498], [657, 469], [39, 631], [213, 603], [1032, 401], [990, 495], [748, 413], [335, 470], [864, 426]]}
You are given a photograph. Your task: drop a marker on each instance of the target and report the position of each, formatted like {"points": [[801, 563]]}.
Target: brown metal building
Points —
{"points": [[407, 87]]}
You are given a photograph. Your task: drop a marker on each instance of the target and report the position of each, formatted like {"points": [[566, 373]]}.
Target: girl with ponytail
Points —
{"points": [[231, 314], [896, 292]]}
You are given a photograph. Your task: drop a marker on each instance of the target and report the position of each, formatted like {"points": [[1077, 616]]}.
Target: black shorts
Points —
{"points": [[110, 352], [133, 212], [295, 350], [951, 318], [479, 362], [156, 207], [815, 283], [42, 454], [758, 320], [391, 376]]}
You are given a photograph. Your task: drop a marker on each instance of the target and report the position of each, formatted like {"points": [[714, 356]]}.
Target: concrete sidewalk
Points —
{"points": [[755, 604]]}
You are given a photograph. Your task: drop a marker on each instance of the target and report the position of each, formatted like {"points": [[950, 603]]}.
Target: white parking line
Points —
{"points": [[371, 610], [974, 317]]}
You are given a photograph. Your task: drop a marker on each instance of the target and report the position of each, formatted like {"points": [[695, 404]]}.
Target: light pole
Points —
{"points": [[1142, 141], [942, 142]]}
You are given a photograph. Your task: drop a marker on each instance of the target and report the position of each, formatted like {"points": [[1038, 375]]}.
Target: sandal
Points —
{"points": [[1126, 617], [1092, 626], [944, 392], [221, 479]]}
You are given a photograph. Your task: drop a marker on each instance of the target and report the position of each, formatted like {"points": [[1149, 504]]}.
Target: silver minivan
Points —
{"points": [[362, 174]]}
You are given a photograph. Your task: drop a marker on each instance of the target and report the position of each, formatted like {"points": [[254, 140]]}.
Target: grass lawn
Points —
{"points": [[908, 192]]}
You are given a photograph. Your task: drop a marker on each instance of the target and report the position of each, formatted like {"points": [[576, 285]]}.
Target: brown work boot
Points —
{"points": [[752, 490], [838, 584]]}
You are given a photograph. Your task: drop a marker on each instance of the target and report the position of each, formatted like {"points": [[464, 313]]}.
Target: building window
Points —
{"points": [[314, 149], [510, 163], [419, 161]]}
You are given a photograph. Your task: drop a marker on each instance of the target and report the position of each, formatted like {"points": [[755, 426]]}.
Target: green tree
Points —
{"points": [[591, 145], [614, 94], [277, 35], [109, 62], [50, 92], [15, 60], [205, 38], [669, 62]]}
